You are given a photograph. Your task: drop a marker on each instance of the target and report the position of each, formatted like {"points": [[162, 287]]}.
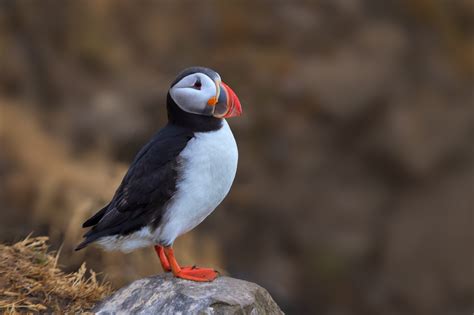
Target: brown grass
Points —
{"points": [[30, 281]]}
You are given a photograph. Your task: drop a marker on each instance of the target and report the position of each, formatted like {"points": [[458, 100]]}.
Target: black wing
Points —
{"points": [[149, 183]]}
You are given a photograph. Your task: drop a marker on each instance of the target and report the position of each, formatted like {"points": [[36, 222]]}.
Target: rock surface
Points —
{"points": [[164, 294]]}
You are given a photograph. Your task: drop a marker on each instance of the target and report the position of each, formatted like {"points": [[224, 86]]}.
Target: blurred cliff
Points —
{"points": [[356, 173]]}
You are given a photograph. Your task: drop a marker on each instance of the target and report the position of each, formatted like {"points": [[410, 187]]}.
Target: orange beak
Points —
{"points": [[226, 103]]}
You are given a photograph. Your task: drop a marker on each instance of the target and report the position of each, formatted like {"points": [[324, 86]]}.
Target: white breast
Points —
{"points": [[207, 170]]}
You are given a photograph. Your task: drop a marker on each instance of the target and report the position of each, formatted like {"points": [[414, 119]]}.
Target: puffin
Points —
{"points": [[178, 178]]}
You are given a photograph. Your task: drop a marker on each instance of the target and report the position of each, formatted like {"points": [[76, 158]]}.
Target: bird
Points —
{"points": [[178, 178]]}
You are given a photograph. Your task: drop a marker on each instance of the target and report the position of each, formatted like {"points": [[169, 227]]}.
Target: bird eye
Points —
{"points": [[197, 85]]}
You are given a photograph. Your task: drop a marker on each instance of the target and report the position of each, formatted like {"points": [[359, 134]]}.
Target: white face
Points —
{"points": [[193, 92]]}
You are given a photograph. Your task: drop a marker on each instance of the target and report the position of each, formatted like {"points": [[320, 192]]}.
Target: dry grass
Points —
{"points": [[30, 281]]}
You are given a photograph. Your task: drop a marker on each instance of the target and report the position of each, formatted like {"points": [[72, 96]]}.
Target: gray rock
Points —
{"points": [[164, 294]]}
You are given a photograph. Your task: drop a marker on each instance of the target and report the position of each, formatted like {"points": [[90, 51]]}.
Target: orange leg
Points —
{"points": [[189, 273], [163, 260]]}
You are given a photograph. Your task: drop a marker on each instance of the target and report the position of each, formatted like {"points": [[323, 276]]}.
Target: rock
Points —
{"points": [[165, 294]]}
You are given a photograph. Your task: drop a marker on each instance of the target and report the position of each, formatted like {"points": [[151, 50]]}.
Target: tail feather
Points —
{"points": [[96, 217], [89, 236], [83, 244]]}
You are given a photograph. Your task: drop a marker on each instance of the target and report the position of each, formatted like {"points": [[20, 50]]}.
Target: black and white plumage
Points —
{"points": [[181, 175]]}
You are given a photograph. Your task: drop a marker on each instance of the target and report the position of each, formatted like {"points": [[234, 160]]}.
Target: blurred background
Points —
{"points": [[354, 193]]}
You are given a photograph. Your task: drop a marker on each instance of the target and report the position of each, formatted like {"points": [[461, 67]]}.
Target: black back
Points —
{"points": [[148, 184]]}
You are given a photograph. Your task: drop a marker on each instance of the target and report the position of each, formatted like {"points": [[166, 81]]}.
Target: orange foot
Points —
{"points": [[163, 259], [197, 274], [188, 273]]}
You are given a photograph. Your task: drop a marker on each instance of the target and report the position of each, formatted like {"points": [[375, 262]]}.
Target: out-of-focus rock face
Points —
{"points": [[165, 294], [356, 156]]}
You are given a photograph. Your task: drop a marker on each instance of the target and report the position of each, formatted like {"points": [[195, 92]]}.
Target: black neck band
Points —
{"points": [[195, 122]]}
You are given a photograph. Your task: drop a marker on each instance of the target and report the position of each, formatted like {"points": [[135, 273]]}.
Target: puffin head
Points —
{"points": [[200, 91]]}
